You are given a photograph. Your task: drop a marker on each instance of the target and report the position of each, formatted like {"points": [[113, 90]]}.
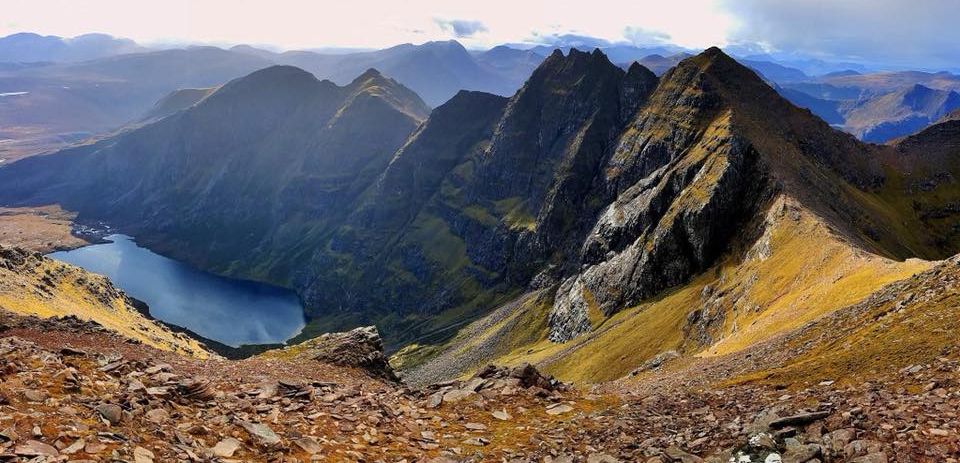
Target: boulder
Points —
{"points": [[361, 347], [110, 412]]}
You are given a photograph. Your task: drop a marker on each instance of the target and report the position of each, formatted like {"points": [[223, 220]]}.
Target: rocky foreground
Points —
{"points": [[72, 392]]}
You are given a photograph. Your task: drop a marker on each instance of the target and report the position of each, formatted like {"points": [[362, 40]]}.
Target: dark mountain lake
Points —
{"points": [[230, 311]]}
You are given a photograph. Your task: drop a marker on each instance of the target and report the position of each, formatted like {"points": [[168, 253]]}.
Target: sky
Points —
{"points": [[908, 32]]}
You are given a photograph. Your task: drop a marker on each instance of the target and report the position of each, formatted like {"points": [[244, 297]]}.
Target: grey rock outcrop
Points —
{"points": [[360, 347]]}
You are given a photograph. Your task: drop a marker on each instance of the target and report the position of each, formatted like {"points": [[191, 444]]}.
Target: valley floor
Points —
{"points": [[41, 229]]}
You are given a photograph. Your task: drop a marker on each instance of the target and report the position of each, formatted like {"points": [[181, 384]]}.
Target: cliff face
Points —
{"points": [[699, 166], [485, 195]]}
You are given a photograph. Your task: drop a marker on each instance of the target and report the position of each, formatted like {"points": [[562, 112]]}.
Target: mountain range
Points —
{"points": [[738, 277], [877, 108], [594, 187], [435, 70]]}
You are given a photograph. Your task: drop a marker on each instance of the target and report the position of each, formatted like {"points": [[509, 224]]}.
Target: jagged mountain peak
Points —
{"points": [[639, 69], [577, 69], [713, 84], [698, 166], [286, 86], [727, 73], [576, 56]]}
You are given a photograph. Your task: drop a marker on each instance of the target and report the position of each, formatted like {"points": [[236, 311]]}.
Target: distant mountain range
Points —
{"points": [[877, 107], [435, 70], [58, 103], [56, 91], [30, 48]]}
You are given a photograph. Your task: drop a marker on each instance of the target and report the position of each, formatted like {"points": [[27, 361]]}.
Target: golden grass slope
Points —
{"points": [[46, 288], [797, 271], [914, 321]]}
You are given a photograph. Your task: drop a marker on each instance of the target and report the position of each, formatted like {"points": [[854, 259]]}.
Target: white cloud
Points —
{"points": [[461, 28], [373, 23]]}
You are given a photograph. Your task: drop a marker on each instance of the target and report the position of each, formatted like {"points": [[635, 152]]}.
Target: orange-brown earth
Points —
{"points": [[72, 391]]}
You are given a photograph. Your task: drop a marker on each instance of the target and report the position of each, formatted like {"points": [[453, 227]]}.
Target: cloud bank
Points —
{"points": [[914, 33], [461, 28], [901, 32]]}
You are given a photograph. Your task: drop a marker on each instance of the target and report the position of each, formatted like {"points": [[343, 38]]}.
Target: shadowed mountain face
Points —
{"points": [[596, 186], [522, 165], [271, 154], [177, 100]]}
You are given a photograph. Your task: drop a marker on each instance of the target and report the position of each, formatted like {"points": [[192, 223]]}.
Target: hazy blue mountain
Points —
{"points": [[774, 71], [660, 64], [435, 70], [514, 63], [877, 107], [828, 110], [900, 113], [67, 101], [27, 47]]}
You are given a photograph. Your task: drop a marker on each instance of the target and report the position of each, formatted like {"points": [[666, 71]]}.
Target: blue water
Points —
{"points": [[230, 311]]}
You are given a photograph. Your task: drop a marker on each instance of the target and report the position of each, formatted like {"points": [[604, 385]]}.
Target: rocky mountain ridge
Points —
{"points": [[697, 187]]}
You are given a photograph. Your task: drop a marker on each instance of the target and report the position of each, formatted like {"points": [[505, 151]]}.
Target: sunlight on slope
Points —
{"points": [[797, 271], [915, 321], [53, 289]]}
